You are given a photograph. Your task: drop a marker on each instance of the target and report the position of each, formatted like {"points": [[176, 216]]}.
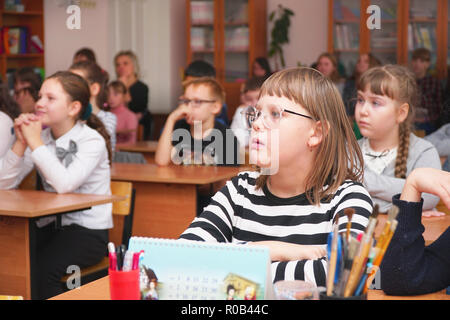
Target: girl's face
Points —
{"points": [[54, 106], [283, 144], [115, 98], [258, 71], [378, 115], [363, 64], [124, 66], [325, 66]]}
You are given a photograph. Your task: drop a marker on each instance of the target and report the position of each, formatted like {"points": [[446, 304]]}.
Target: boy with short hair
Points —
{"points": [[202, 139], [200, 69], [249, 98], [427, 115]]}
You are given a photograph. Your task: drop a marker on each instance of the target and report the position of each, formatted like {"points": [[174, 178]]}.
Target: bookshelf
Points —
{"points": [[405, 25], [229, 34], [32, 18]]}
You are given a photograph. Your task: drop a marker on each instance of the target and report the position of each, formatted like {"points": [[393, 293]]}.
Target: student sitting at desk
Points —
{"points": [[289, 206], [9, 110], [70, 156], [409, 267], [192, 135]]}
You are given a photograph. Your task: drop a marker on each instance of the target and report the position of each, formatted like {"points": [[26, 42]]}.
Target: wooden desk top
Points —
{"points": [[434, 227], [172, 174], [32, 204], [140, 146], [99, 290]]}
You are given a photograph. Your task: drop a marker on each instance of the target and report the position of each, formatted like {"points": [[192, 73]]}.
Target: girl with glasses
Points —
{"points": [[291, 211]]}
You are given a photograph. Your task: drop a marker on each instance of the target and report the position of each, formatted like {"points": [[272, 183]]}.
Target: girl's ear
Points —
{"points": [[319, 132], [95, 89], [402, 112], [74, 109]]}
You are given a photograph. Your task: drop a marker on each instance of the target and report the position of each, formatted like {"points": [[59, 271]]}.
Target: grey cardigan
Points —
{"points": [[382, 187], [441, 140]]}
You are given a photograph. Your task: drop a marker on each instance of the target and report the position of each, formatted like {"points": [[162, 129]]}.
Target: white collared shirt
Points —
{"points": [[88, 173], [377, 161], [6, 133]]}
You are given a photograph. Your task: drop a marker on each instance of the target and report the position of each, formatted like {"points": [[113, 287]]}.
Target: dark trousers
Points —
{"points": [[57, 249]]}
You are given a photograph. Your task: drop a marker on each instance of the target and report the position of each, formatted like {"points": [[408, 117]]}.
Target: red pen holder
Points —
{"points": [[124, 285]]}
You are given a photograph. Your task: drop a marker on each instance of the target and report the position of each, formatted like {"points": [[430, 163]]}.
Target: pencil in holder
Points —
{"points": [[124, 285]]}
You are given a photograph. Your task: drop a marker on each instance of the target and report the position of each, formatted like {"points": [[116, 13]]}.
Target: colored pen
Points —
{"points": [[120, 256], [128, 261], [112, 256]]}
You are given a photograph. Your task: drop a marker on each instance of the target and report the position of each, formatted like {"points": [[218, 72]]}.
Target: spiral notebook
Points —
{"points": [[193, 270]]}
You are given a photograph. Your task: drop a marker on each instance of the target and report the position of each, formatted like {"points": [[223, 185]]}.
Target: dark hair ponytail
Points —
{"points": [[95, 74], [78, 90]]}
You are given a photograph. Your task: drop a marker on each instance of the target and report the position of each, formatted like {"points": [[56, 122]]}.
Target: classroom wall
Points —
{"points": [[61, 43], [155, 29], [308, 32]]}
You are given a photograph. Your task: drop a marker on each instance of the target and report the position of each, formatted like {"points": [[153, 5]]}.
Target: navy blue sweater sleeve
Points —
{"points": [[409, 267]]}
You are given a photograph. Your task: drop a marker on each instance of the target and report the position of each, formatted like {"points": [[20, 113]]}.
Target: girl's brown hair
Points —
{"points": [[335, 75], [95, 74], [7, 104], [399, 84], [339, 155], [78, 90]]}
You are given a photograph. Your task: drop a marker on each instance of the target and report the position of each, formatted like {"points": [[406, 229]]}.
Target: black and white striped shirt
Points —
{"points": [[240, 213]]}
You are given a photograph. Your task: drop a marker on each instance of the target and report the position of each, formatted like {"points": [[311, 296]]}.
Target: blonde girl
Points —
{"points": [[316, 177], [387, 97]]}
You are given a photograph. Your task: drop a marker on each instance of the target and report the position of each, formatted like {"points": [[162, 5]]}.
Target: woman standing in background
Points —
{"points": [[127, 71]]}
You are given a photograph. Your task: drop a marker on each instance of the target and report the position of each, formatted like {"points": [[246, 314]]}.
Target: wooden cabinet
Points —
{"points": [[33, 19], [229, 34], [405, 25]]}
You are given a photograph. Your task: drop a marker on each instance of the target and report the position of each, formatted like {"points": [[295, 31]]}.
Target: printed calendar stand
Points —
{"points": [[193, 270]]}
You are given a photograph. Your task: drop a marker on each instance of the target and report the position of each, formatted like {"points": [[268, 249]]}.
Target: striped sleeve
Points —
{"points": [[351, 195], [215, 222]]}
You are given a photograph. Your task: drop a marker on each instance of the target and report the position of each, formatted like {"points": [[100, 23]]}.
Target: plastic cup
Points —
{"points": [[296, 290], [124, 285]]}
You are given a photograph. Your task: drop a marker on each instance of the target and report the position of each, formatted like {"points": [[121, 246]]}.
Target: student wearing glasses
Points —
{"points": [[26, 89], [309, 174], [192, 134]]}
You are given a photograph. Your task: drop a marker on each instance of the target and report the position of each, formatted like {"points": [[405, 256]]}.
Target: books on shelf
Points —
{"points": [[421, 36], [237, 39], [202, 39], [345, 37], [16, 40], [202, 12]]}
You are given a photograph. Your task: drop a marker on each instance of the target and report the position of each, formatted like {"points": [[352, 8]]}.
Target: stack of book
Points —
{"points": [[202, 12]]}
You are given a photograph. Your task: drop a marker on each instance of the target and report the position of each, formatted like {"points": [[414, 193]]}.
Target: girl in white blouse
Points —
{"points": [[71, 155], [9, 110]]}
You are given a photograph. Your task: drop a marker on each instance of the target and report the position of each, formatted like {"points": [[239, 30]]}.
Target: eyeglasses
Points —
{"points": [[270, 119], [19, 91], [196, 103]]}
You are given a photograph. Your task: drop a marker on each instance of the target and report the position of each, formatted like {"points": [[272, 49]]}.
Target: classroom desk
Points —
{"points": [[166, 197], [99, 290], [434, 227], [19, 209], [147, 148]]}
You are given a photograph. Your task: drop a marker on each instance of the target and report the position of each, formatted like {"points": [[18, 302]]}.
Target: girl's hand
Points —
{"points": [[32, 133], [283, 251], [24, 118], [427, 180]]}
